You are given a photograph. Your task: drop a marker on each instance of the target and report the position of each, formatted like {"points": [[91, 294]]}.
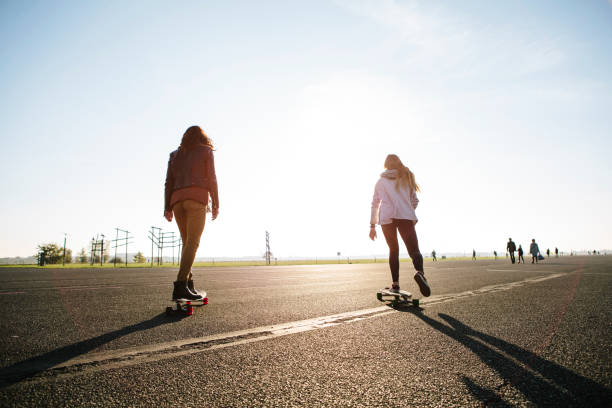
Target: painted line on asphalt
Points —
{"points": [[101, 361], [88, 288], [519, 270]]}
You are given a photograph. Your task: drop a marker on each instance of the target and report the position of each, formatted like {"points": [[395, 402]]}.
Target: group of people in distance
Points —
{"points": [[191, 191], [534, 250]]}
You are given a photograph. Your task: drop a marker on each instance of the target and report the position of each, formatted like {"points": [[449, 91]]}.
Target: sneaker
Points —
{"points": [[193, 290], [419, 277], [182, 292], [393, 288]]}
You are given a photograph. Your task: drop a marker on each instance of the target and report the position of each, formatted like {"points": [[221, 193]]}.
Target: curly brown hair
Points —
{"points": [[195, 136]]}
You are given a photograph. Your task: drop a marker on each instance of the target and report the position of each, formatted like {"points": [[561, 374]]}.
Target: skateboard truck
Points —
{"points": [[183, 308]]}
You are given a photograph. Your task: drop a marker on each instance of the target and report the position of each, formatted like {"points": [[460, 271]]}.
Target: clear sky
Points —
{"points": [[503, 110]]}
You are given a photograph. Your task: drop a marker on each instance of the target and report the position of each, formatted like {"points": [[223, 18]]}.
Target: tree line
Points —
{"points": [[54, 254]]}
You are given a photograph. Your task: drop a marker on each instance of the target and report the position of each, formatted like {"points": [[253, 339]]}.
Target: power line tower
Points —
{"points": [[119, 242], [155, 240], [169, 240], [268, 253], [97, 245]]}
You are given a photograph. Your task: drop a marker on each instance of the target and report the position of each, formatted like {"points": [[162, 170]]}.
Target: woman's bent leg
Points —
{"points": [[390, 233], [409, 236], [408, 233]]}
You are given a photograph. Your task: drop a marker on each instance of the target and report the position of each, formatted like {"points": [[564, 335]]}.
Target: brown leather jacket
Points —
{"points": [[189, 168]]}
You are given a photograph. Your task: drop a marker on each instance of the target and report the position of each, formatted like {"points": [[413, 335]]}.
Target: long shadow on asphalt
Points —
{"points": [[553, 385], [35, 365]]}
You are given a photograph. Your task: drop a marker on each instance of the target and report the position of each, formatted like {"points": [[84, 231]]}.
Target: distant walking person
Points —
{"points": [[473, 254], [520, 254], [511, 247], [556, 252], [433, 255], [495, 254], [534, 251], [548, 252], [393, 208], [190, 180]]}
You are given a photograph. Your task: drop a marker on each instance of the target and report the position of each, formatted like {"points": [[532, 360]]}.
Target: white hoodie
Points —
{"points": [[389, 203]]}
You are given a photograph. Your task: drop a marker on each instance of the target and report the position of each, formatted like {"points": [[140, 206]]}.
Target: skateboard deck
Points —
{"points": [[202, 302], [396, 297], [184, 307]]}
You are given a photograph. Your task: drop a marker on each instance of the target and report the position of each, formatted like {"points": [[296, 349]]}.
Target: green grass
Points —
{"points": [[205, 264], [245, 263]]}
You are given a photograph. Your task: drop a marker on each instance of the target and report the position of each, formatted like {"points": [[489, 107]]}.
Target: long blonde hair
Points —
{"points": [[405, 178]]}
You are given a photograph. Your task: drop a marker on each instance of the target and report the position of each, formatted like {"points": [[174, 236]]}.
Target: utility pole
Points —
{"points": [[97, 245], [122, 242], [267, 248], [152, 236], [116, 239], [64, 257], [102, 251], [155, 240], [167, 240], [93, 254]]}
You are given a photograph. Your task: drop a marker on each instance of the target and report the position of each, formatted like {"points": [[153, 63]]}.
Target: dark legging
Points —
{"points": [[409, 236]]}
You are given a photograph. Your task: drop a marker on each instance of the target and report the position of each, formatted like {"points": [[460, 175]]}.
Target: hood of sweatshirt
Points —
{"points": [[390, 174]]}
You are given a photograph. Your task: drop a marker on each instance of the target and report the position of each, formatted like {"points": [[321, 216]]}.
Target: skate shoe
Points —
{"points": [[419, 277], [393, 288], [182, 292]]}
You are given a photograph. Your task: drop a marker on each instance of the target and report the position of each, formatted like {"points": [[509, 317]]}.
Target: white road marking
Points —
{"points": [[106, 360], [519, 270]]}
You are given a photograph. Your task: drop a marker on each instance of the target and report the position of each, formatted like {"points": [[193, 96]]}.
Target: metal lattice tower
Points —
{"points": [[120, 242]]}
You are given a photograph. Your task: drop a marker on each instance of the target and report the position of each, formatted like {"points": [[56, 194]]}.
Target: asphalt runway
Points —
{"points": [[491, 334]]}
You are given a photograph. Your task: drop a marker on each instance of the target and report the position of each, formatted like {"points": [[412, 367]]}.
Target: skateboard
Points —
{"points": [[184, 307], [401, 297]]}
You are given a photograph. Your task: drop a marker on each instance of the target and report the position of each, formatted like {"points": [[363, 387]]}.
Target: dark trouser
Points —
{"points": [[521, 257], [409, 236], [190, 217], [512, 256], [534, 258]]}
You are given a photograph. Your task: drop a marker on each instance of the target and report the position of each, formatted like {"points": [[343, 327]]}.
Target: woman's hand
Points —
{"points": [[372, 233], [168, 215]]}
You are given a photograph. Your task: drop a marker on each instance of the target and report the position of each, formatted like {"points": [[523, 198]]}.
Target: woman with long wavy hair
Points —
{"points": [[190, 180], [393, 208]]}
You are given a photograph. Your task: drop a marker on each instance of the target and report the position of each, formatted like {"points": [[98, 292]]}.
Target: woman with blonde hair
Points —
{"points": [[393, 208], [190, 180]]}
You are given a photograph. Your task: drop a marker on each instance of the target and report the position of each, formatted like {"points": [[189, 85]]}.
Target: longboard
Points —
{"points": [[396, 297], [202, 302], [184, 307]]}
